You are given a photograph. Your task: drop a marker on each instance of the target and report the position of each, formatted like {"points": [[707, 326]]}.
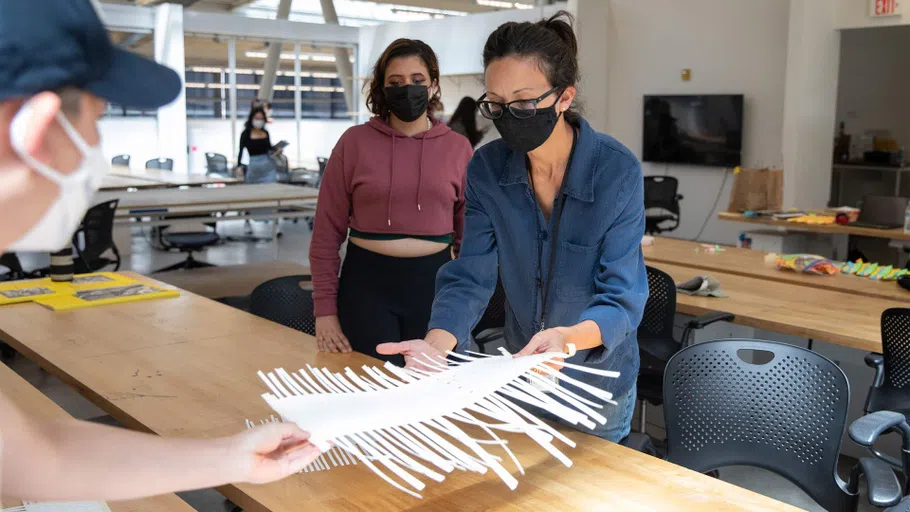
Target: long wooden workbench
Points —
{"points": [[832, 229], [750, 263], [38, 406], [187, 367]]}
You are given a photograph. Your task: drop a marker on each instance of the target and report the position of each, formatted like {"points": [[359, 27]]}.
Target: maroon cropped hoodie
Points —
{"points": [[379, 180]]}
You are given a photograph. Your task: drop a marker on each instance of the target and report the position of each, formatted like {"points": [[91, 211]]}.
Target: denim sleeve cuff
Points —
{"points": [[453, 327], [613, 327]]}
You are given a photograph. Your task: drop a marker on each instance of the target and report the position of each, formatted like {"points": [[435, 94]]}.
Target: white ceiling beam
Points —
{"points": [[445, 5], [233, 25]]}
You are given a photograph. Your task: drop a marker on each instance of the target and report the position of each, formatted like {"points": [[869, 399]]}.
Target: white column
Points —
{"points": [[232, 92], [297, 106], [342, 59], [810, 103], [591, 28], [273, 60], [172, 140]]}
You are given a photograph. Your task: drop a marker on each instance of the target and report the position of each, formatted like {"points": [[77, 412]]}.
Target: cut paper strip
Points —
{"points": [[405, 424]]}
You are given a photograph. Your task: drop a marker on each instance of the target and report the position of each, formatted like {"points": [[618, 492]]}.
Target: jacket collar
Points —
{"points": [[581, 176]]}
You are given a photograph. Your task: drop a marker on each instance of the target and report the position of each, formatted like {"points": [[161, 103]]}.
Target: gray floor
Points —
{"points": [[294, 246]]}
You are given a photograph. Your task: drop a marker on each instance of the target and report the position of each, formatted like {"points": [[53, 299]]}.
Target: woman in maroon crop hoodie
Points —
{"points": [[394, 188]]}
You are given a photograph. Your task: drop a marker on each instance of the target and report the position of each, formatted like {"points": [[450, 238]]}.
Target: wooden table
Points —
{"points": [[833, 229], [230, 280], [808, 312], [169, 178], [750, 263], [117, 182], [38, 406], [187, 367]]}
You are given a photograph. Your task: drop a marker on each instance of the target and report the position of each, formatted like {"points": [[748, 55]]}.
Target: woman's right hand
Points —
{"points": [[329, 336]]}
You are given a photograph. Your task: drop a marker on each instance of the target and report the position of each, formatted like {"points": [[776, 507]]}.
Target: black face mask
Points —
{"points": [[526, 135], [407, 102]]}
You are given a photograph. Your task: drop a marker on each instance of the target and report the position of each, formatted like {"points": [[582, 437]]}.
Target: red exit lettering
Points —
{"points": [[885, 7]]}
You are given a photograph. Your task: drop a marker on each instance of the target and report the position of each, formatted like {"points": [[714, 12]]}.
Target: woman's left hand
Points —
{"points": [[549, 340]]}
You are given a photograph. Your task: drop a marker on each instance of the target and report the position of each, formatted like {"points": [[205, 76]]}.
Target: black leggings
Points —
{"points": [[383, 298]]}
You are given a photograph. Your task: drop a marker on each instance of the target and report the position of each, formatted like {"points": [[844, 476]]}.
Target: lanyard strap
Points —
{"points": [[558, 205]]}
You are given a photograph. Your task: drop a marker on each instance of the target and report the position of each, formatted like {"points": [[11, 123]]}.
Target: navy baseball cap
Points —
{"points": [[46, 45]]}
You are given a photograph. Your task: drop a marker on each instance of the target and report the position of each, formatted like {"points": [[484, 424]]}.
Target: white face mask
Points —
{"points": [[258, 123], [75, 190]]}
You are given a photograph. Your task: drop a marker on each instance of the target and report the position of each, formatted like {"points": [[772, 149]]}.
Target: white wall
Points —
{"points": [[136, 137], [733, 47], [855, 14], [874, 81]]}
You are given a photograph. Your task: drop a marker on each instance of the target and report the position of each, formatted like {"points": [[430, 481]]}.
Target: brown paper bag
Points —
{"points": [[757, 189]]}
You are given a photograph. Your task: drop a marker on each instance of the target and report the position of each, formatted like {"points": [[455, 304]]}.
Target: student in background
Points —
{"points": [[557, 210], [397, 183], [464, 121], [50, 166], [255, 140]]}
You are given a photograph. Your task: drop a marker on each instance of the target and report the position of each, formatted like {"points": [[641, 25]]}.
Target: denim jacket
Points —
{"points": [[600, 272]]}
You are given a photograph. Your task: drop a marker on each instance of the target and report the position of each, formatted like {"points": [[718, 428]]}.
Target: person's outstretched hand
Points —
{"points": [[271, 452], [549, 340], [412, 351]]}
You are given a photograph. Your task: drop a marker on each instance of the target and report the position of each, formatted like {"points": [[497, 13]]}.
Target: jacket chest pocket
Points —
{"points": [[577, 268]]}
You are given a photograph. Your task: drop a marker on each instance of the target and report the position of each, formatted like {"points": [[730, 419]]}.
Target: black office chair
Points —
{"points": [[282, 300], [656, 344], [121, 160], [661, 204], [94, 238], [217, 165], [165, 164], [14, 271], [492, 324], [769, 405], [189, 242], [890, 389]]}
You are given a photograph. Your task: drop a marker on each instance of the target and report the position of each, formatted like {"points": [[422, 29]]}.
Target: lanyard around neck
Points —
{"points": [[558, 205]]}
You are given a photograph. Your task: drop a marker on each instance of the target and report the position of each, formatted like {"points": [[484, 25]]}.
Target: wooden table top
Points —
{"points": [[750, 263], [834, 229], [117, 182], [835, 317], [169, 178], [162, 198], [37, 405], [187, 367]]}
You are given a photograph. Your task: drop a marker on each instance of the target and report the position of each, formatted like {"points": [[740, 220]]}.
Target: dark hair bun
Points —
{"points": [[561, 24]]}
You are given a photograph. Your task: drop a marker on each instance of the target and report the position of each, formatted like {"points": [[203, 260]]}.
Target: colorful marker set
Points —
{"points": [[873, 270]]}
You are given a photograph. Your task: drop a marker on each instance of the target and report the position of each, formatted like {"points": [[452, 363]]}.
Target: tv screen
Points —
{"points": [[694, 130]]}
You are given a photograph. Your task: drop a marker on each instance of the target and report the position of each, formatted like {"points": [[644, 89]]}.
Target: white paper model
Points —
{"points": [[394, 421]]}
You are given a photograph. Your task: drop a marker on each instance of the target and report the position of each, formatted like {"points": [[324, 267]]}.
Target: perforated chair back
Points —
{"points": [[896, 347], [95, 236], [282, 300], [786, 415], [165, 164], [495, 315], [660, 309], [217, 164], [121, 160]]}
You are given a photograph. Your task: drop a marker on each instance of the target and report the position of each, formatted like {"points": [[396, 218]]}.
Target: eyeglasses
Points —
{"points": [[520, 109]]}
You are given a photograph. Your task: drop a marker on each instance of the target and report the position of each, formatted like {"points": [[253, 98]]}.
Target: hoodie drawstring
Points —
{"points": [[423, 143], [391, 174]]}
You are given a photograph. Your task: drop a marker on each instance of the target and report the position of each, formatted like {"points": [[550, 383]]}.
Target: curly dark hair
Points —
{"points": [[375, 93], [551, 42]]}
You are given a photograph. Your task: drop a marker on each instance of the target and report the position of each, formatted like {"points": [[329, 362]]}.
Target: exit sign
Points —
{"points": [[880, 8]]}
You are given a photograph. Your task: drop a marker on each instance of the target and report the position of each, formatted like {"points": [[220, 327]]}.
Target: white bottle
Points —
{"points": [[907, 219]]}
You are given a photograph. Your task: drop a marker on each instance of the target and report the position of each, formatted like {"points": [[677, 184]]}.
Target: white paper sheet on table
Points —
{"points": [[394, 421]]}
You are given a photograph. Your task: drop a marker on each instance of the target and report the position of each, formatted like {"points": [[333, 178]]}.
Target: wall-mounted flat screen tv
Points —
{"points": [[704, 129]]}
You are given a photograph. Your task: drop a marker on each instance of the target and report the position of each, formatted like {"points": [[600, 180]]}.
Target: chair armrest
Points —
{"points": [[876, 361], [882, 485], [700, 322], [865, 431]]}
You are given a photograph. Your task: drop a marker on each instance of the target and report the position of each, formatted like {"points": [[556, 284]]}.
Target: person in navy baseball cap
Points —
{"points": [[57, 70]]}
